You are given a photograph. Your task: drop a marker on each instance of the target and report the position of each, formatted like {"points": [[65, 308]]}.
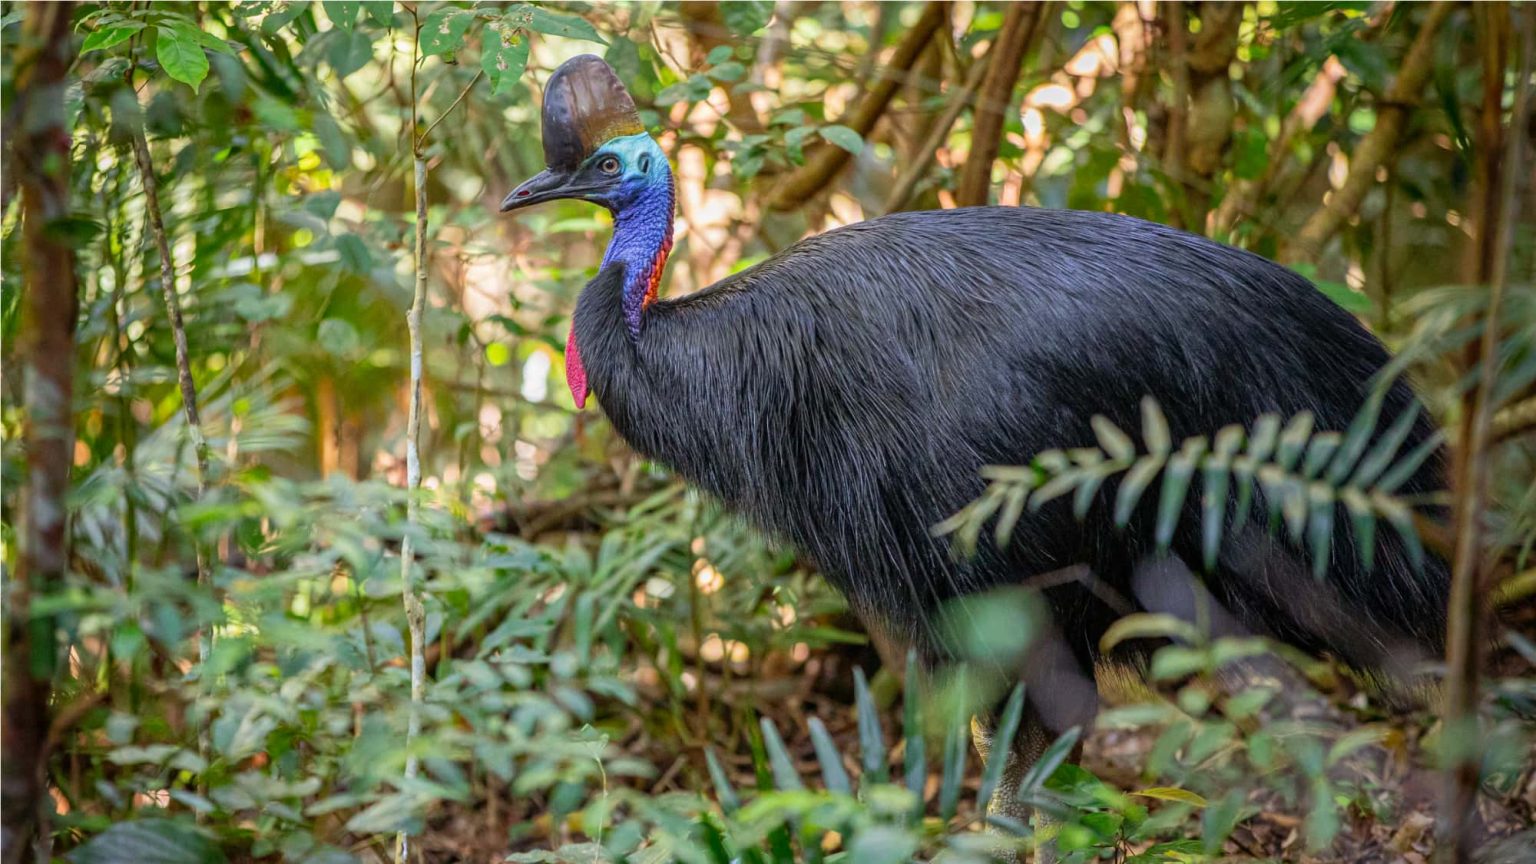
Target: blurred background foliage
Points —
{"points": [[592, 627]]}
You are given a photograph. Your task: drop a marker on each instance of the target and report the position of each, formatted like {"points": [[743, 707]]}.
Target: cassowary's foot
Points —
{"points": [[1030, 743]]}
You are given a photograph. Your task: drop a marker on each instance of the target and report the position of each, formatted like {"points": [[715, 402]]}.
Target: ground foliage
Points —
{"points": [[617, 670]]}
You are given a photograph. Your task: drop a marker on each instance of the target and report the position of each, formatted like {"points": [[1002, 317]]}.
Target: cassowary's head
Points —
{"points": [[597, 150], [595, 147]]}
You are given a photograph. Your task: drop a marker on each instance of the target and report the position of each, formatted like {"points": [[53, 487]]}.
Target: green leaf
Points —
{"points": [[343, 13], [163, 841], [443, 31], [1114, 441], [831, 760], [354, 253], [842, 136], [882, 844], [1172, 793], [916, 757], [746, 17], [338, 337], [785, 777], [180, 53], [725, 791], [549, 23], [503, 56], [1154, 428], [871, 739], [1176, 483], [106, 37], [350, 52]]}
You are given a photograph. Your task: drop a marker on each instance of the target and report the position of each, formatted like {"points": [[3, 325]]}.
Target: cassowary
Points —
{"points": [[845, 393]]}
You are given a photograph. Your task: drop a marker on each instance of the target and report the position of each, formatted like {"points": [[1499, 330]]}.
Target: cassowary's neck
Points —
{"points": [[642, 239]]}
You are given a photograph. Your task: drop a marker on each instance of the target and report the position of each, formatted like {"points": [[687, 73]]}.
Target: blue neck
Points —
{"points": [[642, 237]]}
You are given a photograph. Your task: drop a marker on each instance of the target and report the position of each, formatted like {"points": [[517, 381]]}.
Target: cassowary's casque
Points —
{"points": [[845, 393]]}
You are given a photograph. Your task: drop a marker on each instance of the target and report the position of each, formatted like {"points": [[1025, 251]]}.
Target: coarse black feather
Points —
{"points": [[845, 393]]}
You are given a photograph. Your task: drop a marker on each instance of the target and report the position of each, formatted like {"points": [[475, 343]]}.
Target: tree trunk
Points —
{"points": [[47, 334], [1021, 25]]}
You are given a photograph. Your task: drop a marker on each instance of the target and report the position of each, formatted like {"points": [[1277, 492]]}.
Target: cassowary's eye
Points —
{"points": [[609, 165]]}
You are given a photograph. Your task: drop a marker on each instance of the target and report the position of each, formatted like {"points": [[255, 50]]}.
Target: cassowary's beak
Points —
{"points": [[547, 185]]}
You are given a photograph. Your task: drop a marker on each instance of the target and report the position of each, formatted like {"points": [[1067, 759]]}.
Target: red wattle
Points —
{"points": [[575, 373]]}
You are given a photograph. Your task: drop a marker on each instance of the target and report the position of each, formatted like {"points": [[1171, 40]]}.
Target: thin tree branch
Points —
{"points": [[421, 142], [40, 154], [1244, 196], [823, 162], [1377, 146], [918, 168], [415, 612], [1022, 23], [1472, 566]]}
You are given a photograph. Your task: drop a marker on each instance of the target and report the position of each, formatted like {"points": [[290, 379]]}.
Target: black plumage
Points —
{"points": [[845, 394]]}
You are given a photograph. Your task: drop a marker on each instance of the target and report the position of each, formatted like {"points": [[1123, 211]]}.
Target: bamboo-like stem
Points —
{"points": [[1472, 566]]}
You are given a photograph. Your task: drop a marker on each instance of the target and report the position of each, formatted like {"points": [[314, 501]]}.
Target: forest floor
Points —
{"points": [[1402, 785]]}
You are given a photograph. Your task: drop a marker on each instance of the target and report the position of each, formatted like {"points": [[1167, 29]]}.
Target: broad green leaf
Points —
{"points": [[746, 17], [882, 844], [549, 23], [842, 136], [350, 52], [343, 13], [503, 56], [443, 31], [163, 841], [106, 37], [180, 53]]}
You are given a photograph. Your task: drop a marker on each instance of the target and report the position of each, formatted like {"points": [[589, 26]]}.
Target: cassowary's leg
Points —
{"points": [[1059, 694]]}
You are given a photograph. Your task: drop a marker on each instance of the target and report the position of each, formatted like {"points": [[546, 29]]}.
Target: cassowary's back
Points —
{"points": [[846, 392]]}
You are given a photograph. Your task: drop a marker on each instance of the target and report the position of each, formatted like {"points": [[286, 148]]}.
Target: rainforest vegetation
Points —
{"points": [[309, 555]]}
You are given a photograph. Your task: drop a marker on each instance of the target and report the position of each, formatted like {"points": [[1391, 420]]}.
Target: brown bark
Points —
{"points": [[47, 334], [1022, 24], [1472, 567], [1377, 146], [823, 162]]}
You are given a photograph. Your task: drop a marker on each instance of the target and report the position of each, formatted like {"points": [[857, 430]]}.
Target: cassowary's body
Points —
{"points": [[845, 394]]}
